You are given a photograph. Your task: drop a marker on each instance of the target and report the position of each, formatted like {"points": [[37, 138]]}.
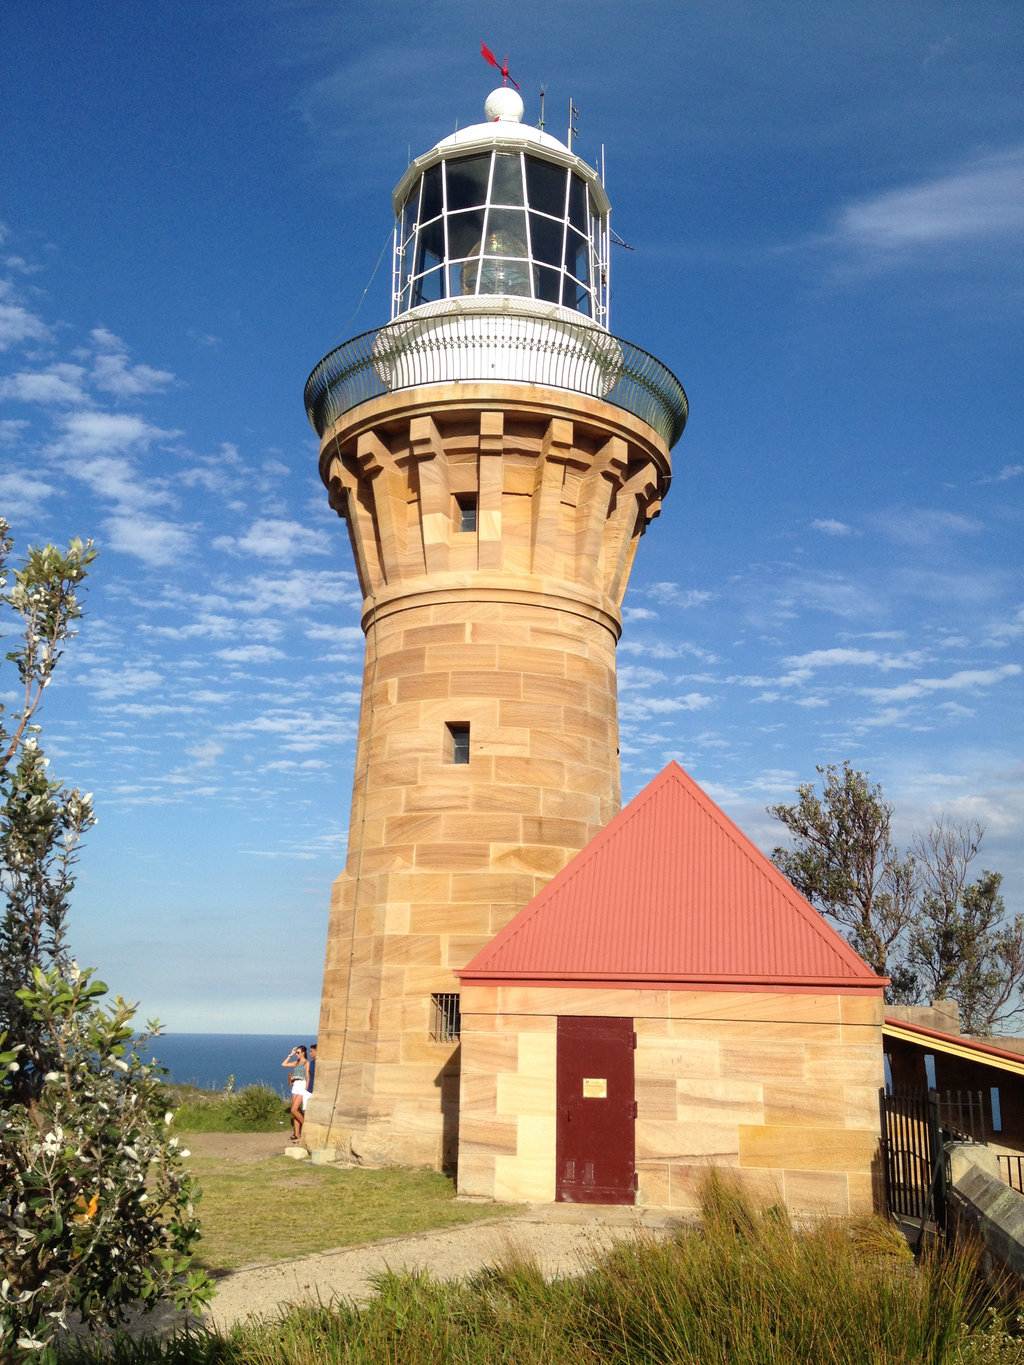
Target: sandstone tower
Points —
{"points": [[496, 454]]}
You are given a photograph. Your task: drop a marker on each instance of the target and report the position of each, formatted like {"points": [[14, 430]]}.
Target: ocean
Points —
{"points": [[209, 1059]]}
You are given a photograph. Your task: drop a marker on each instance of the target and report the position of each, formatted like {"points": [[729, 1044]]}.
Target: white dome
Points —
{"points": [[503, 106]]}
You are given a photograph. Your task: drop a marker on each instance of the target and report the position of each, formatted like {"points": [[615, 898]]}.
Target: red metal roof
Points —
{"points": [[672, 894]]}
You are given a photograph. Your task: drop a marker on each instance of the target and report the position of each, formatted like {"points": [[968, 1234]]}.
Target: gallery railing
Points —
{"points": [[504, 346]]}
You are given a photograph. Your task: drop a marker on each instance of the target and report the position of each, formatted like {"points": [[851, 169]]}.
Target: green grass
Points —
{"points": [[276, 1208], [744, 1289]]}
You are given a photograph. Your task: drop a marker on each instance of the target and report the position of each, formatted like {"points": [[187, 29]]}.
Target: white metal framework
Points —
{"points": [[503, 220]]}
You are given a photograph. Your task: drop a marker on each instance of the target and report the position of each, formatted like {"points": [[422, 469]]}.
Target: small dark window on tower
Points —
{"points": [[466, 504], [458, 743], [446, 1023]]}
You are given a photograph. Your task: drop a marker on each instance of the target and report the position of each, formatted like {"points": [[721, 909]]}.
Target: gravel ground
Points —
{"points": [[561, 1247]]}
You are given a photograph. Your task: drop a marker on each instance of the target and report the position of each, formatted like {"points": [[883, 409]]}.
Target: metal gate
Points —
{"points": [[916, 1125], [912, 1157]]}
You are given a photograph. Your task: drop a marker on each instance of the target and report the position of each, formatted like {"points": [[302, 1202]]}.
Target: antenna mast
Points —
{"points": [[574, 114]]}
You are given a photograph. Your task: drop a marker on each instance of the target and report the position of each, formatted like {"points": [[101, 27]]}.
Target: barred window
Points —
{"points": [[446, 1026]]}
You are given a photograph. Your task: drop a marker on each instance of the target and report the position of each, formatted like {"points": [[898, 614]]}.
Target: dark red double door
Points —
{"points": [[595, 1147]]}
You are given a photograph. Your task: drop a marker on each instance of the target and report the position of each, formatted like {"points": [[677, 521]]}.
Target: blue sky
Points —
{"points": [[825, 203]]}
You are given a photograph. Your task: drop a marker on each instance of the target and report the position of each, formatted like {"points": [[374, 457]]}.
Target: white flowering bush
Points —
{"points": [[97, 1212]]}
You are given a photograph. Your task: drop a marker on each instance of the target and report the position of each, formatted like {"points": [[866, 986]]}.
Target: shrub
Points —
{"points": [[96, 1211], [256, 1109]]}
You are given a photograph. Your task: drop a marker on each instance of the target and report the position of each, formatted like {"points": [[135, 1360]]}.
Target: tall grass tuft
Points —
{"points": [[256, 1109], [746, 1287]]}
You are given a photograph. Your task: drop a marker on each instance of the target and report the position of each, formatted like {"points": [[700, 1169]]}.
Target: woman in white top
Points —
{"points": [[298, 1060]]}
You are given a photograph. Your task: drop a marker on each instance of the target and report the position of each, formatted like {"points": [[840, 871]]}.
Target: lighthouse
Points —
{"points": [[496, 453]]}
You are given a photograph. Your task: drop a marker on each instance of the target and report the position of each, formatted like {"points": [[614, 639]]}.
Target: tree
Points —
{"points": [[914, 917], [962, 947], [845, 863], [41, 823], [96, 1211]]}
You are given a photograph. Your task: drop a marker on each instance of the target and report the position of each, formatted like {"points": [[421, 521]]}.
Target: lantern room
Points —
{"points": [[502, 209]]}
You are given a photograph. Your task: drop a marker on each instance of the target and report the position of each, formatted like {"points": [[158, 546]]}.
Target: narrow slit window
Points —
{"points": [[446, 1025], [466, 507], [458, 743]]}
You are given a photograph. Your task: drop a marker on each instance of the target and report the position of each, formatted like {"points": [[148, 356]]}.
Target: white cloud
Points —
{"points": [[633, 675], [921, 527], [22, 494], [803, 665], [968, 679], [825, 592], [1008, 471], [100, 433], [250, 654], [112, 683], [294, 592], [116, 479], [1000, 632], [981, 201], [204, 755], [150, 539], [337, 635], [12, 429], [830, 527], [677, 596], [277, 540], [205, 627], [661, 649], [112, 373], [17, 324], [636, 706], [59, 383]]}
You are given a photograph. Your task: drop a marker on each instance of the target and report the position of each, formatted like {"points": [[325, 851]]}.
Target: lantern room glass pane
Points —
{"points": [[409, 215], [430, 194], [549, 284], [467, 181], [577, 256], [546, 239], [429, 246], [506, 232], [578, 203], [428, 288], [497, 275], [465, 231], [507, 182], [545, 186], [576, 296]]}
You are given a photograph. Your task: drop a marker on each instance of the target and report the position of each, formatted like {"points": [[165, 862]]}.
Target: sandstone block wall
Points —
{"points": [[508, 628], [780, 1088]]}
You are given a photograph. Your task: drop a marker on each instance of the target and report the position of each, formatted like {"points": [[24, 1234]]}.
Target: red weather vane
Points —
{"points": [[490, 58]]}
